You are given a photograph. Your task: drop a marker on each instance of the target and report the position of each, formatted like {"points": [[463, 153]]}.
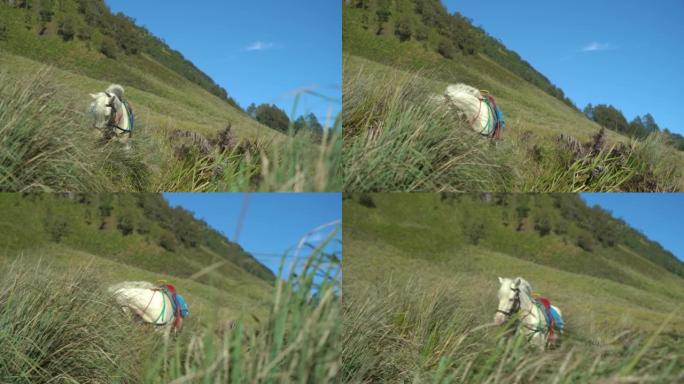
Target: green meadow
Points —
{"points": [[397, 139], [420, 283]]}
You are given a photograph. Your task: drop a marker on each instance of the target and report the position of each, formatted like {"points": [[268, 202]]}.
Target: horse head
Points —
{"points": [[106, 105], [509, 297]]}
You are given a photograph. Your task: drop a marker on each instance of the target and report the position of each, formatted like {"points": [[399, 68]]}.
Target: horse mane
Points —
{"points": [[460, 88], [524, 286], [117, 90]]}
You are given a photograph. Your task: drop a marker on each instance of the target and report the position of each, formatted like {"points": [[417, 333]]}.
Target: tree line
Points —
{"points": [[640, 127], [272, 116]]}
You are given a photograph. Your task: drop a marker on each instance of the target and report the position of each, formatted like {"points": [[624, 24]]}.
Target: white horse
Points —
{"points": [[110, 115], [473, 107], [515, 300], [147, 301]]}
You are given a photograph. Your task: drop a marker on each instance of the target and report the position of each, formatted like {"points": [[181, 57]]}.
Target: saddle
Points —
{"points": [[499, 121], [180, 307], [117, 115], [553, 319]]}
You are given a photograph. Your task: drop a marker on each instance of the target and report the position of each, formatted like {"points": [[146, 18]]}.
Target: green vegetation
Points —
{"points": [[389, 81], [641, 126], [139, 230], [59, 323], [276, 118], [421, 279], [177, 109], [437, 31], [95, 27]]}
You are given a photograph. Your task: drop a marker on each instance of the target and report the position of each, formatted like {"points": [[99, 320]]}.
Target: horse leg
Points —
{"points": [[125, 142]]}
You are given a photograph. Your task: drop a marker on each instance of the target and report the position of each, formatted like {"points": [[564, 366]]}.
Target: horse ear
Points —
{"points": [[500, 280], [94, 96], [517, 281]]}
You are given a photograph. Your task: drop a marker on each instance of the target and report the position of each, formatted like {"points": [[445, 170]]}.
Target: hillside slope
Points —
{"points": [[420, 284], [394, 59], [555, 230], [189, 135], [140, 230]]}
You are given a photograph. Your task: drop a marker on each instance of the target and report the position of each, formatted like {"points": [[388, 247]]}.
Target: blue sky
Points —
{"points": [[274, 222], [259, 51], [628, 53], [658, 215]]}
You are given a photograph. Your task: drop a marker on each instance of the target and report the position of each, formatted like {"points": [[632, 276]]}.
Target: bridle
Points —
{"points": [[515, 307], [111, 123]]}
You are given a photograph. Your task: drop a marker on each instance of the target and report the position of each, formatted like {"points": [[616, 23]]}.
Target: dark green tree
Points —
{"points": [[272, 116], [251, 110], [168, 241], [402, 28], [446, 48], [109, 48], [68, 25]]}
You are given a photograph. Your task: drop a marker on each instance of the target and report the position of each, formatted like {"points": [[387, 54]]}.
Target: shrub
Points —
{"points": [[446, 48], [585, 242], [108, 47], [68, 27], [125, 223], [168, 241], [56, 226], [366, 200], [402, 29]]}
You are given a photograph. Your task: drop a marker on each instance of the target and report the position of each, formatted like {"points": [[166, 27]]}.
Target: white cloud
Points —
{"points": [[596, 46], [260, 46]]}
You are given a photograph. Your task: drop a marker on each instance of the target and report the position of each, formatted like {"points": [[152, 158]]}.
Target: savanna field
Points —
{"points": [[189, 134], [420, 282], [396, 58]]}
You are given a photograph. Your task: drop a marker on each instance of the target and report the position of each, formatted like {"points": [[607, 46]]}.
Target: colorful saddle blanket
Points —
{"points": [[552, 316]]}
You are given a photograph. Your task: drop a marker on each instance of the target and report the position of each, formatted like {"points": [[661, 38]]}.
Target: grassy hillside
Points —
{"points": [[389, 78], [178, 110], [61, 252], [421, 279]]}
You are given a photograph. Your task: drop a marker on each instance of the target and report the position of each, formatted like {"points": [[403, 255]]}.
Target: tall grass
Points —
{"points": [[57, 324], [641, 165], [38, 139], [397, 138], [422, 333], [46, 145], [296, 164], [297, 342]]}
